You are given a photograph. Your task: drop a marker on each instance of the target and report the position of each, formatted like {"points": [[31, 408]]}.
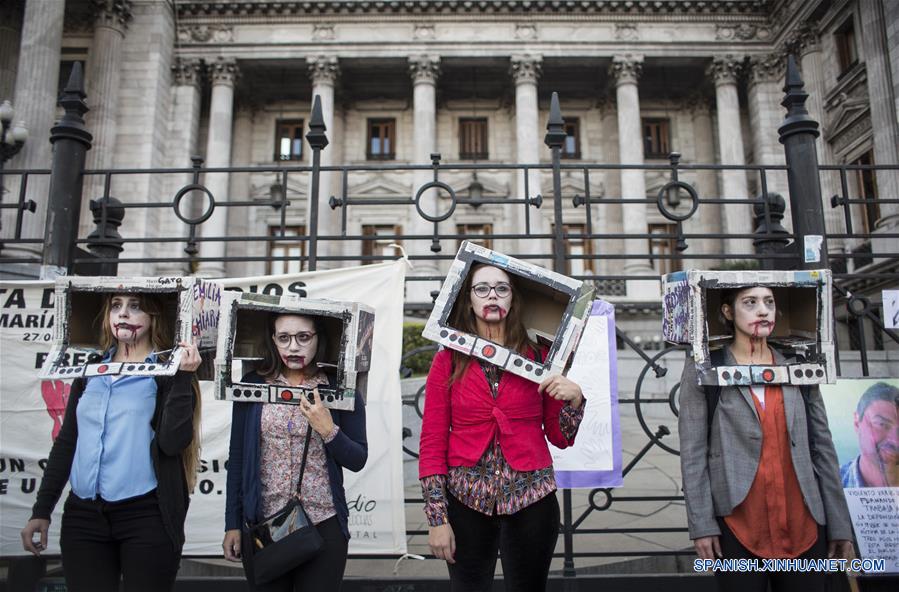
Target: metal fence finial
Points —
{"points": [[316, 135]]}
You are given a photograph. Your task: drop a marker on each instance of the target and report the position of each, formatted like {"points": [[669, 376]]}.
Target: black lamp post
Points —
{"points": [[11, 140]]}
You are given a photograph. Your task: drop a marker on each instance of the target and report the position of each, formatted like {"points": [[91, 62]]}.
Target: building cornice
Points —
{"points": [[280, 8]]}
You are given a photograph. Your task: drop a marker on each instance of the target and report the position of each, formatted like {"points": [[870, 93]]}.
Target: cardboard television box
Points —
{"points": [[556, 309], [803, 325], [190, 310], [349, 330]]}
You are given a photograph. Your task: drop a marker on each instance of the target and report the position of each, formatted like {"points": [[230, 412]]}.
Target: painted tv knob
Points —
{"points": [[489, 351], [286, 396]]}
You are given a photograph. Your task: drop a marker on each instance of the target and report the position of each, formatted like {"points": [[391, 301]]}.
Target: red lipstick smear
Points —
{"points": [[294, 359], [133, 329], [494, 308]]}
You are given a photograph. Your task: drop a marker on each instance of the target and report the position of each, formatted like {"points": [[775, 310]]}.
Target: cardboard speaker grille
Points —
{"points": [[553, 308], [803, 324], [346, 332], [190, 310]]}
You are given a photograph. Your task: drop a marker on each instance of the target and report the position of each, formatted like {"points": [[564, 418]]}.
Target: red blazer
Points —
{"points": [[461, 421]]}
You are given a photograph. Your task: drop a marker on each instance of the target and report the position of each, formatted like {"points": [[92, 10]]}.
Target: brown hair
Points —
{"points": [[462, 318], [160, 339], [272, 365]]}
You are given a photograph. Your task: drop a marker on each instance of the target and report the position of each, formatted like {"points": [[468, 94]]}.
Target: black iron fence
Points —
{"points": [[586, 237]]}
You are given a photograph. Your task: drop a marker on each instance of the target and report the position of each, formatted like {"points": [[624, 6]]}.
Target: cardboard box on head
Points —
{"points": [[691, 315], [553, 311], [346, 331], [190, 311]]}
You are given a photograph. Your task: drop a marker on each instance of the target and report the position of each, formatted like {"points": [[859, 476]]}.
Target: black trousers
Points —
{"points": [[526, 541], [782, 581], [103, 542], [323, 572]]}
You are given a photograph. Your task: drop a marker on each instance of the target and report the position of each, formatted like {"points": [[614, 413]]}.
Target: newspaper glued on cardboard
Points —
{"points": [[190, 309], [554, 315], [803, 326], [348, 331]]}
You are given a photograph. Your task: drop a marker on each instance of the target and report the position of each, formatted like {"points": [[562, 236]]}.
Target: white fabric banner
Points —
{"points": [[31, 411]]}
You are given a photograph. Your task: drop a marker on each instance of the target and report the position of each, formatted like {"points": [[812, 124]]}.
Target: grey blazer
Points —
{"points": [[718, 471]]}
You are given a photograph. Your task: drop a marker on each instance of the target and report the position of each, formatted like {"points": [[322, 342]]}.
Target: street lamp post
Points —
{"points": [[12, 138]]}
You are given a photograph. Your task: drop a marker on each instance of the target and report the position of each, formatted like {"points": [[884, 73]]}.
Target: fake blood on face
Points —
{"points": [[494, 309]]}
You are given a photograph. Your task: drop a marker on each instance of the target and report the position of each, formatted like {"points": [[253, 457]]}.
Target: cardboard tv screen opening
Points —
{"points": [[795, 319], [252, 335], [78, 351], [542, 308]]}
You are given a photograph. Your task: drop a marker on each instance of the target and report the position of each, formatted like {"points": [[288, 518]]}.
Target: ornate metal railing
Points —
{"points": [[864, 258]]}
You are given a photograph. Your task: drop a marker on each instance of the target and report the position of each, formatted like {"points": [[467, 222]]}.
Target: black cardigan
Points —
{"points": [[173, 426]]}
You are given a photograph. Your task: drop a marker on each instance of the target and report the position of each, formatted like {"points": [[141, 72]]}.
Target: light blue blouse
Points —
{"points": [[112, 455]]}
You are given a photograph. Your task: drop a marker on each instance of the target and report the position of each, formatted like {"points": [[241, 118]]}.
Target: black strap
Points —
{"points": [[305, 454], [713, 393]]}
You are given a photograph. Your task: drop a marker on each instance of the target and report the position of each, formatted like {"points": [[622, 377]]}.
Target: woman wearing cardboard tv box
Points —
{"points": [[129, 447], [757, 485], [281, 454], [485, 467]]}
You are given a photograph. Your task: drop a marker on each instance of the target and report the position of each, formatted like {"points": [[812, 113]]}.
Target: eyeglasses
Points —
{"points": [[284, 339], [502, 290]]}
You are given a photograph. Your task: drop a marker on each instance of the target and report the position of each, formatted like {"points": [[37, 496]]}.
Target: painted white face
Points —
{"points": [[753, 312], [128, 322], [491, 294], [296, 340]]}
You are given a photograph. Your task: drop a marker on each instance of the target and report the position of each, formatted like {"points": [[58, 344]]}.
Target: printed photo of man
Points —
{"points": [[876, 421]]}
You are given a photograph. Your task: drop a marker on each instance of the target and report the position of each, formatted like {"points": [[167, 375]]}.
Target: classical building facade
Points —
{"points": [[233, 81]]}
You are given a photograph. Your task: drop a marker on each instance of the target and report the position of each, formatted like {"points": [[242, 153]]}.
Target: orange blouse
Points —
{"points": [[773, 521]]}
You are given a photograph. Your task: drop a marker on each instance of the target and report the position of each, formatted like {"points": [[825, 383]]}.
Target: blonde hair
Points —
{"points": [[160, 340]]}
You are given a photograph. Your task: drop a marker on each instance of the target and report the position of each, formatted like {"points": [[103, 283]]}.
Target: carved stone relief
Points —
{"points": [[525, 32], [424, 68], [526, 68], [423, 31], [742, 32], [626, 32], [206, 34], [186, 72], [626, 68], [725, 69], [323, 32]]}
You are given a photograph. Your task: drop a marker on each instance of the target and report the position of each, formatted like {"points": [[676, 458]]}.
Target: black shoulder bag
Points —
{"points": [[286, 539]]}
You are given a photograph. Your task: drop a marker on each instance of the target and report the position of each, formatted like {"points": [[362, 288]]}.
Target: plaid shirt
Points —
{"points": [[493, 486], [851, 475]]}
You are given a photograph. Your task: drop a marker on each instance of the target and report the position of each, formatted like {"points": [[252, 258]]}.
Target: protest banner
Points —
{"points": [[31, 412]]}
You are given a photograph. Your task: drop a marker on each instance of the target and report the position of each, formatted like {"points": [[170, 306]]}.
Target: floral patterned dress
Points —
{"points": [[282, 437]]}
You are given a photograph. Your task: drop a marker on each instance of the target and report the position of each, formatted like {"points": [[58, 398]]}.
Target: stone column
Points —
{"points": [[10, 37], [626, 70], [707, 220], [241, 221], [324, 70], [766, 76], [737, 219], [102, 80], [223, 73], [181, 145], [883, 105], [424, 71], [35, 104], [811, 60], [526, 70]]}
